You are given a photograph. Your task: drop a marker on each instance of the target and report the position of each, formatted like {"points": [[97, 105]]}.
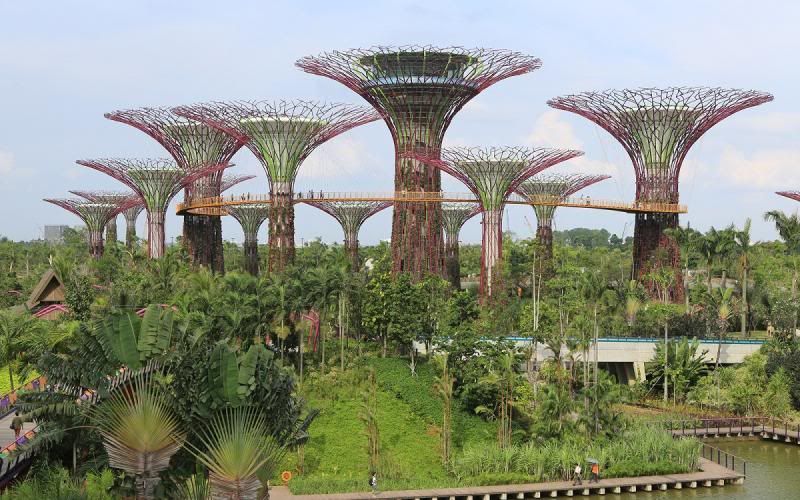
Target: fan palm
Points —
{"points": [[140, 432], [236, 448]]}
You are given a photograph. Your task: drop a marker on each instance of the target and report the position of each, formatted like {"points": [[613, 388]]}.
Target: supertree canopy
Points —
{"points": [[95, 215], [156, 181], [113, 197], [492, 174], [250, 217], [418, 90], [454, 216], [194, 146], [544, 191], [793, 195], [351, 215], [657, 127], [230, 180], [281, 134]]}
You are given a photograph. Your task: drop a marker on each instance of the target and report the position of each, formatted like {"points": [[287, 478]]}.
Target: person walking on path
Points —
{"points": [[16, 424], [595, 472], [373, 483], [577, 475]]}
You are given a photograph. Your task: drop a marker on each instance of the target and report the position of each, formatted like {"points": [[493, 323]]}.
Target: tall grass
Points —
{"points": [[639, 451]]}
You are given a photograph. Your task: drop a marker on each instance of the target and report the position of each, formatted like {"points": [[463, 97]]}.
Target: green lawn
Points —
{"points": [[5, 384]]}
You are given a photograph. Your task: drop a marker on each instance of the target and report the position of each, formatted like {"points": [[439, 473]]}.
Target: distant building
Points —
{"points": [[54, 234]]}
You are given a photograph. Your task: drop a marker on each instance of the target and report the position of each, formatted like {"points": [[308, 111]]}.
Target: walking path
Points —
{"points": [[710, 474], [7, 434]]}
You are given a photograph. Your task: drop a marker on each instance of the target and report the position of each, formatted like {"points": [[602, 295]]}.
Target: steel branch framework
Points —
{"points": [[250, 217], [193, 145], [454, 216], [793, 195], [351, 215], [95, 215], [230, 180], [541, 190], [493, 174], [281, 134], [156, 181], [657, 127], [113, 197], [418, 90]]}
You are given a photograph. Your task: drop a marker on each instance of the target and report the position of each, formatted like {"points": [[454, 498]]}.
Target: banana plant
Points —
{"points": [[233, 379]]}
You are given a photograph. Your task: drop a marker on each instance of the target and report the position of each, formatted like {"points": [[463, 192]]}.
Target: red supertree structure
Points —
{"points": [[95, 215], [492, 174], [657, 127], [230, 180], [281, 135], [113, 197], [545, 191], [351, 215], [156, 181], [250, 217], [454, 216], [194, 146], [793, 195], [131, 215], [418, 90]]}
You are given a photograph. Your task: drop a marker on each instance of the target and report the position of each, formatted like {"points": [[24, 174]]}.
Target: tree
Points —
{"points": [[743, 249], [687, 365], [377, 301], [15, 329], [444, 387], [788, 227]]}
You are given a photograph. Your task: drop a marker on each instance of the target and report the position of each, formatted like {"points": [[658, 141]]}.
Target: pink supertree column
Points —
{"points": [[95, 215]]}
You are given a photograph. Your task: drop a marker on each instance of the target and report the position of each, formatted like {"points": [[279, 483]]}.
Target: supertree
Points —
{"points": [[351, 215], [95, 215], [113, 197], [544, 191], [194, 146], [492, 174], [230, 180], [418, 90], [156, 181], [454, 216], [281, 134], [250, 217], [131, 215], [793, 195], [657, 127]]}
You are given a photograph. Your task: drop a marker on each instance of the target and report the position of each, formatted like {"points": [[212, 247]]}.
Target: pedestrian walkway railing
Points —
{"points": [[725, 459], [732, 425], [8, 400]]}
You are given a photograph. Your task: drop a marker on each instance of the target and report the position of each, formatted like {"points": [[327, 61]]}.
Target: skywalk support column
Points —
{"points": [[281, 135], [95, 215], [193, 146], [156, 181], [545, 191], [454, 216], [351, 215], [251, 217], [657, 127], [492, 174], [418, 90]]}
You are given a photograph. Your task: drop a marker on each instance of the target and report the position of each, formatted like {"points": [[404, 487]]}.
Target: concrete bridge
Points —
{"points": [[624, 357]]}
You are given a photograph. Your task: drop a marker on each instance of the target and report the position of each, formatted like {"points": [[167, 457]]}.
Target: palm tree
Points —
{"points": [[724, 250], [724, 303], [236, 448], [688, 240], [743, 247], [15, 329], [140, 433], [788, 227]]}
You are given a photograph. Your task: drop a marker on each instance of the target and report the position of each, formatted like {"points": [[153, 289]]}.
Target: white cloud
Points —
{"points": [[6, 162], [342, 157], [770, 168], [550, 130]]}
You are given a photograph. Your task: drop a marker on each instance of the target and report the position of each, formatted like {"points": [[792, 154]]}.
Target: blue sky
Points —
{"points": [[63, 64]]}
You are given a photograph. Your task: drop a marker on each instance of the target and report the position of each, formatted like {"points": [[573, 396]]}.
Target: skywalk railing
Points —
{"points": [[217, 202]]}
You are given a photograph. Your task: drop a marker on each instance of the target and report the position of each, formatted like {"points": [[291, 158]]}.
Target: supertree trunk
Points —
{"points": [[544, 236], [351, 249], [155, 235], [96, 244], [651, 244], [281, 228], [130, 232], [452, 265], [417, 243], [202, 236], [492, 250], [111, 230], [251, 261]]}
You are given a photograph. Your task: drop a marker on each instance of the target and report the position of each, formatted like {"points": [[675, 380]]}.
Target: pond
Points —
{"points": [[773, 472]]}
